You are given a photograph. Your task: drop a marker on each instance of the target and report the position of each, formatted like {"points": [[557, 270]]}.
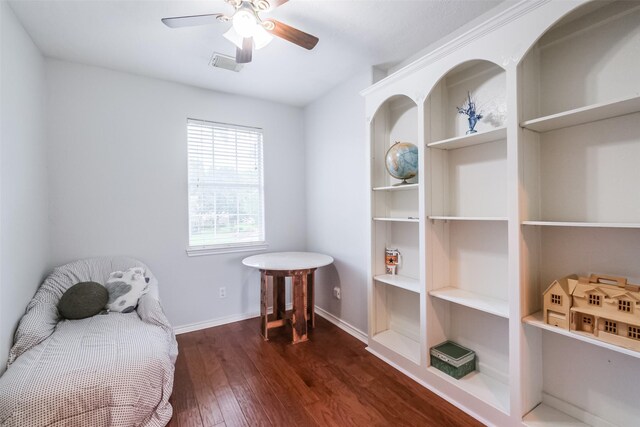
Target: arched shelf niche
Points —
{"points": [[580, 113], [396, 119], [467, 227], [486, 82], [395, 325], [468, 169]]}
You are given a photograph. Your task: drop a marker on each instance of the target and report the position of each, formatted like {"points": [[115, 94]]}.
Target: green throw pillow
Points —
{"points": [[84, 299]]}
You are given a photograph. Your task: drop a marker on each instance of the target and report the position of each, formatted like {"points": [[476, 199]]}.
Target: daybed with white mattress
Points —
{"points": [[111, 369]]}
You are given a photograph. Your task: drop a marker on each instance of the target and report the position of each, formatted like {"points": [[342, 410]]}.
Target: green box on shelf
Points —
{"points": [[453, 359]]}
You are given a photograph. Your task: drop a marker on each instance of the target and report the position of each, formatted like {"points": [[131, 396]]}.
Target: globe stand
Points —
{"points": [[404, 182]]}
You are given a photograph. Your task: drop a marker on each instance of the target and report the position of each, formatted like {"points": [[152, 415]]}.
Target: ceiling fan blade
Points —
{"points": [[190, 21], [275, 3], [292, 35], [244, 55]]}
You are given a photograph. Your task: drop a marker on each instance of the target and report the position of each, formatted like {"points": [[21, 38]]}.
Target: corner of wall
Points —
{"points": [[24, 241]]}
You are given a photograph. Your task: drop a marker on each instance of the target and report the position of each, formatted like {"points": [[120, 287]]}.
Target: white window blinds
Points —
{"points": [[226, 192]]}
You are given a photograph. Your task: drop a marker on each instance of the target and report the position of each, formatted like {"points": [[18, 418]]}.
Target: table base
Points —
{"points": [[303, 314]]}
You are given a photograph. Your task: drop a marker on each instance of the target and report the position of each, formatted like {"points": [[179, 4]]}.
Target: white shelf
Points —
{"points": [[546, 416], [408, 219], [469, 140], [489, 305], [583, 224], [399, 343], [408, 283], [483, 387], [468, 218], [537, 320], [397, 187], [590, 113]]}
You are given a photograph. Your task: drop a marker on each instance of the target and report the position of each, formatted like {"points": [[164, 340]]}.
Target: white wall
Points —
{"points": [[118, 182], [24, 243], [336, 171]]}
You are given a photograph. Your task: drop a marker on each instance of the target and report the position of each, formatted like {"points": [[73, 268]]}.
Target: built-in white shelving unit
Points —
{"points": [[580, 146], [546, 187]]}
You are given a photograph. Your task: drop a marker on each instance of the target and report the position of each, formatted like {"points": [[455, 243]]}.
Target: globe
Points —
{"points": [[401, 161]]}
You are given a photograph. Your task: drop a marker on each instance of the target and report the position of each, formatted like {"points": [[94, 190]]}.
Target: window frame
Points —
{"points": [[230, 247], [625, 306], [611, 327]]}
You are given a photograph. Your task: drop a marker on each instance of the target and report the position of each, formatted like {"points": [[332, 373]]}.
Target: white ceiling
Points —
{"points": [[127, 35]]}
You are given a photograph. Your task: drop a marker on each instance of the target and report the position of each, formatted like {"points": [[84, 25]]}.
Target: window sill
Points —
{"points": [[214, 250]]}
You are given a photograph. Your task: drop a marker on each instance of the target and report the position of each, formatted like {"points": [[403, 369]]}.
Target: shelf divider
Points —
{"points": [[469, 140], [467, 218], [579, 116], [399, 343], [483, 387], [469, 299], [388, 219], [537, 321], [397, 187], [583, 224], [399, 281]]}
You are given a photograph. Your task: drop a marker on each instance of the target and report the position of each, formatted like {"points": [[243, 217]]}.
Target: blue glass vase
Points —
{"points": [[473, 121]]}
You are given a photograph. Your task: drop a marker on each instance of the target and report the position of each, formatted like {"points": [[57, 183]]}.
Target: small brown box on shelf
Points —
{"points": [[606, 307]]}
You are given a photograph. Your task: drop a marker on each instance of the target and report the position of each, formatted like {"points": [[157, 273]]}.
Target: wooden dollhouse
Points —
{"points": [[604, 306]]}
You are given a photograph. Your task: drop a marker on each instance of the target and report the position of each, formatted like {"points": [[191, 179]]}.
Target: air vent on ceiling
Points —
{"points": [[219, 60]]}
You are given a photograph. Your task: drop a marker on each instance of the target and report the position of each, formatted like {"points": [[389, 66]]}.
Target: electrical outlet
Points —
{"points": [[336, 292], [222, 292]]}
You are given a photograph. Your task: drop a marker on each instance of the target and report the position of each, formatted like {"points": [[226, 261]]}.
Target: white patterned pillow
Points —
{"points": [[125, 289]]}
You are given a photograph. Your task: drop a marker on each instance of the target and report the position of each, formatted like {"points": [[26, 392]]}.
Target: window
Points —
{"points": [[556, 299], [587, 320], [624, 306], [594, 299], [634, 333], [611, 327], [226, 191]]}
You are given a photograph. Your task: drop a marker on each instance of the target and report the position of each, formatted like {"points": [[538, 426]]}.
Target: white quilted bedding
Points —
{"points": [[107, 370]]}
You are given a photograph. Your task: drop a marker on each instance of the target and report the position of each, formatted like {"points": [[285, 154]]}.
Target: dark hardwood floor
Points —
{"points": [[228, 376]]}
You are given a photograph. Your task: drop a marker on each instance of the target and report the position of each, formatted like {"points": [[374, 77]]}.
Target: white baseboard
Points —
{"points": [[191, 327], [348, 328]]}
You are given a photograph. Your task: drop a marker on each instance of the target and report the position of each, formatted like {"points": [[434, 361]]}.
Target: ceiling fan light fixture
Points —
{"points": [[245, 22], [261, 38], [233, 36]]}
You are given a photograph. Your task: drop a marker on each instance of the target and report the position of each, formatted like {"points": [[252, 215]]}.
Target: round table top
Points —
{"points": [[287, 261]]}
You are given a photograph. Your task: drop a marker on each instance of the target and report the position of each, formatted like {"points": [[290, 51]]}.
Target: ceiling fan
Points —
{"points": [[248, 30]]}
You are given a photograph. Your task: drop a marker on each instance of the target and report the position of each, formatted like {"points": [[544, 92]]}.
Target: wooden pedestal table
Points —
{"points": [[300, 266]]}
